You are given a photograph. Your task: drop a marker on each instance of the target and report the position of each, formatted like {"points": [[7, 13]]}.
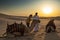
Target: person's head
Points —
{"points": [[30, 15], [36, 13]]}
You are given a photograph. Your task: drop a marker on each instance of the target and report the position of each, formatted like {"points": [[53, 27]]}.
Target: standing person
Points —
{"points": [[28, 20], [35, 22]]}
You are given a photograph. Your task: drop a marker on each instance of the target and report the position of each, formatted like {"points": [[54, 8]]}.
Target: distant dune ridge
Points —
{"points": [[12, 17], [23, 17]]}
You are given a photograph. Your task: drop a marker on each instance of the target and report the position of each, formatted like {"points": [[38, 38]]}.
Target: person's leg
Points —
{"points": [[32, 26], [36, 27], [27, 24]]}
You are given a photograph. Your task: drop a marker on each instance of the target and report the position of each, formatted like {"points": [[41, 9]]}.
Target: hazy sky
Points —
{"points": [[26, 7]]}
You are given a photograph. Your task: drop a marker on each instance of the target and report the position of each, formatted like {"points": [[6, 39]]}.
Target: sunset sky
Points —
{"points": [[46, 8]]}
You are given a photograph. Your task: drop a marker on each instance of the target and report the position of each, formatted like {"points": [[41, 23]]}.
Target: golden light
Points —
{"points": [[47, 10]]}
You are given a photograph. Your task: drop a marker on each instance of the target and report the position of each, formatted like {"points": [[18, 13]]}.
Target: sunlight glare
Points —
{"points": [[47, 10]]}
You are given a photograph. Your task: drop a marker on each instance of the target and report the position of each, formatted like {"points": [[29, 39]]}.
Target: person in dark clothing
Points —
{"points": [[50, 26], [28, 20]]}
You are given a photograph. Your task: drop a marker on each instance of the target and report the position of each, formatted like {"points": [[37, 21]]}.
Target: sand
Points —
{"points": [[40, 35]]}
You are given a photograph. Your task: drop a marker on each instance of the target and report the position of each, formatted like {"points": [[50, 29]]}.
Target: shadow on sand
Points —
{"points": [[52, 36], [25, 37]]}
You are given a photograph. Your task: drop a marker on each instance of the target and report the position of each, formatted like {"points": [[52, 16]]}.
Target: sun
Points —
{"points": [[47, 10]]}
